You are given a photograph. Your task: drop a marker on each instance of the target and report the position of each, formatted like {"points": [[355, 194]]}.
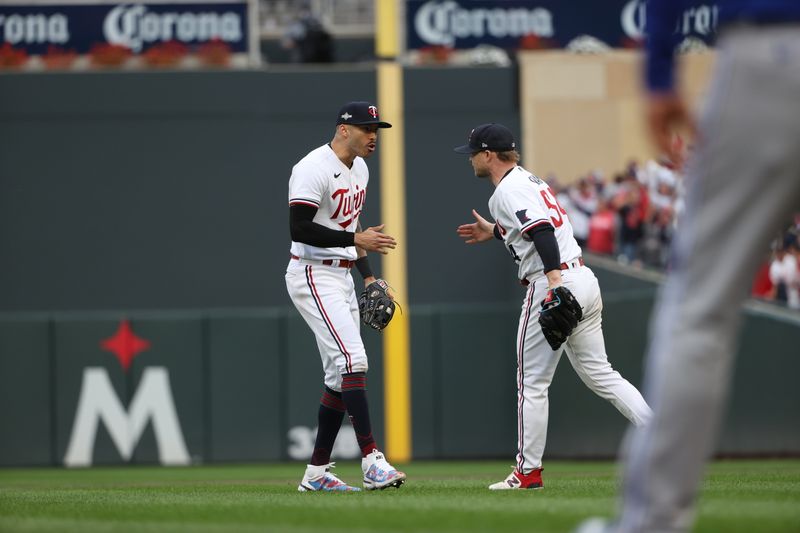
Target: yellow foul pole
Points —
{"points": [[396, 344]]}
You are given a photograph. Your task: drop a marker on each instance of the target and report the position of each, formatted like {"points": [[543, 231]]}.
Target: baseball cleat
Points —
{"points": [[319, 478], [518, 480], [379, 474], [595, 525]]}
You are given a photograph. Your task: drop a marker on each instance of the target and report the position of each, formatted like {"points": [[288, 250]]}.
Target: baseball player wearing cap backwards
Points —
{"points": [[327, 190], [538, 234]]}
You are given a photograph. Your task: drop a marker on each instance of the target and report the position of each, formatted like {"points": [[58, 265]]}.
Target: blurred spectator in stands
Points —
{"points": [[602, 229], [632, 169], [655, 173], [552, 181], [632, 204], [762, 285], [597, 183], [662, 191], [307, 39], [661, 179], [657, 237], [784, 275], [610, 190], [792, 235], [581, 203], [794, 288]]}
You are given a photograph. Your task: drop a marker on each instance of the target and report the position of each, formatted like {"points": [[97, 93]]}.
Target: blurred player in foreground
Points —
{"points": [[743, 185]]}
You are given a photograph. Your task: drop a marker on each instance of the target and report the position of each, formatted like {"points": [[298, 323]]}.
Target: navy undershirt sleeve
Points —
{"points": [[303, 229], [362, 264], [544, 239]]}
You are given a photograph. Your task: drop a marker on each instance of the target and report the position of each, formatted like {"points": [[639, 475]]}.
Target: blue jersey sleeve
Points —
{"points": [[661, 22]]}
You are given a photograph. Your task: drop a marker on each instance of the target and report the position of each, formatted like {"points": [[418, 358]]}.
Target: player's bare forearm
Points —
{"points": [[479, 231], [360, 252], [553, 279], [362, 263], [373, 239]]}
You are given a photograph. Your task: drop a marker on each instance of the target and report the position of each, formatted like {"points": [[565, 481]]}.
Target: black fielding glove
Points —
{"points": [[375, 305], [559, 315]]}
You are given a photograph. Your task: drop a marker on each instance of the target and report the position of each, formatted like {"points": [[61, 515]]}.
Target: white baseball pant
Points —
{"points": [[325, 297], [536, 364]]}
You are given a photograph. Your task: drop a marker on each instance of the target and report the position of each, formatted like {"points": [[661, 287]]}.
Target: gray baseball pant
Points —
{"points": [[743, 185]]}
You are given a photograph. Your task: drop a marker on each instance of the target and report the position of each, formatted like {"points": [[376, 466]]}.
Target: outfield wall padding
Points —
{"points": [[247, 383]]}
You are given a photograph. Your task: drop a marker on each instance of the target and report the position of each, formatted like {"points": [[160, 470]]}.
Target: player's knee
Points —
{"points": [[335, 384], [355, 364], [359, 366]]}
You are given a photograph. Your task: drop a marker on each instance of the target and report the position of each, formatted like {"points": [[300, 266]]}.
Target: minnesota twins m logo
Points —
{"points": [[152, 401]]}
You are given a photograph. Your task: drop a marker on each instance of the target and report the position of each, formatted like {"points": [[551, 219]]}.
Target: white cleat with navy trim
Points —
{"points": [[319, 478], [379, 474]]}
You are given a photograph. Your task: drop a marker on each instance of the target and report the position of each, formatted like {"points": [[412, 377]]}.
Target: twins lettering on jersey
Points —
{"points": [[349, 205]]}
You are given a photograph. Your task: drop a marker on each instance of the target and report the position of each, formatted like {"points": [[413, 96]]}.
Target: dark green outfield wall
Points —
{"points": [[246, 384], [169, 190]]}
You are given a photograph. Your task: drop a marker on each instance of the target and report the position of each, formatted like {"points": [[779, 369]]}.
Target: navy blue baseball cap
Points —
{"points": [[492, 137], [360, 113]]}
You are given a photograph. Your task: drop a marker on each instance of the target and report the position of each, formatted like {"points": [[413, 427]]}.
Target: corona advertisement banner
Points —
{"points": [[112, 34], [513, 24]]}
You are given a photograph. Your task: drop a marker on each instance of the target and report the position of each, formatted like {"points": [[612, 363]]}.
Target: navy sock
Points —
{"points": [[331, 414], [354, 395]]}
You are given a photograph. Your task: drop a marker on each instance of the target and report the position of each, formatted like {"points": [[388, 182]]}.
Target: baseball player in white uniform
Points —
{"points": [[538, 235], [327, 191]]}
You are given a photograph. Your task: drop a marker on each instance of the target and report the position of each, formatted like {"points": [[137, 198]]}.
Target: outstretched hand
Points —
{"points": [[479, 231], [667, 115], [373, 240]]}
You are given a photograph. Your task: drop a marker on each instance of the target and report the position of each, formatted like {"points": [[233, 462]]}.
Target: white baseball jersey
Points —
{"points": [[522, 201], [321, 180]]}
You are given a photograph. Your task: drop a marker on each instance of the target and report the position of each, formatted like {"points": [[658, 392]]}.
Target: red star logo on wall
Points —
{"points": [[125, 345]]}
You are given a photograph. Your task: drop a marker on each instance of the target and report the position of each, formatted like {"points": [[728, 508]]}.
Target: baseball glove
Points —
{"points": [[559, 315], [375, 305]]}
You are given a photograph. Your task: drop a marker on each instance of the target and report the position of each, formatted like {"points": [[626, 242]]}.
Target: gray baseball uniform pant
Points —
{"points": [[743, 185]]}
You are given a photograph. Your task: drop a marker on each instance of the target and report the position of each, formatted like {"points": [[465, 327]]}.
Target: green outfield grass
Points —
{"points": [[739, 496]]}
